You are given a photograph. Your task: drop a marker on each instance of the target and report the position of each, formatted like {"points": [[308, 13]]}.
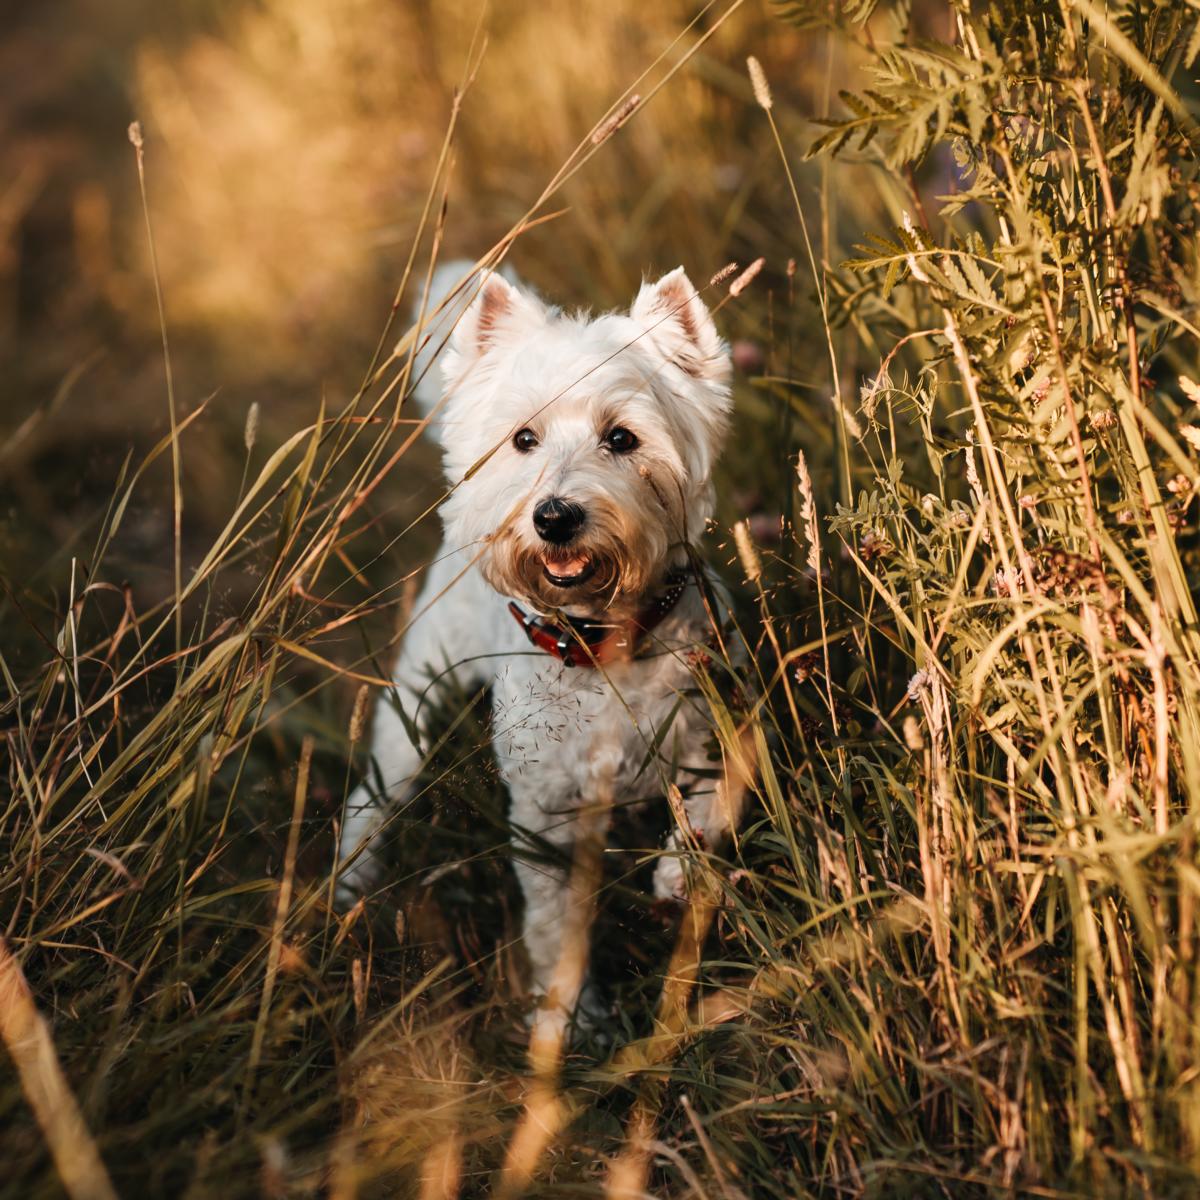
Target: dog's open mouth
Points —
{"points": [[568, 570]]}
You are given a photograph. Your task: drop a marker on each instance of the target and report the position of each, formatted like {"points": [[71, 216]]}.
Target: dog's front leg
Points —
{"points": [[560, 903], [436, 652]]}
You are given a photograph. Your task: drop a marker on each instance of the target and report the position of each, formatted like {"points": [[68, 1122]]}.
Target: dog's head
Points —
{"points": [[581, 449]]}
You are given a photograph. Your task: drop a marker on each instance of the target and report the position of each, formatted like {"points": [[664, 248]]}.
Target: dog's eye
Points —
{"points": [[620, 440], [525, 440]]}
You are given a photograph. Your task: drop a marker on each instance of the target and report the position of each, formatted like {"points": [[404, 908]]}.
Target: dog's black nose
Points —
{"points": [[557, 521]]}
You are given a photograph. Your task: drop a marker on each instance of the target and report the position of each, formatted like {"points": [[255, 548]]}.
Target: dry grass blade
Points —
{"points": [[29, 1044]]}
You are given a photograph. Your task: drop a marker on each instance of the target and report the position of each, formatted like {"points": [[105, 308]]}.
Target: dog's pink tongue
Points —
{"points": [[564, 568]]}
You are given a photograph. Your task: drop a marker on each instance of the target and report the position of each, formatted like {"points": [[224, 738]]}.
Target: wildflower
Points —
{"points": [[874, 545], [1105, 419], [806, 666], [1191, 435], [747, 356], [1007, 582], [1190, 389], [1064, 572]]}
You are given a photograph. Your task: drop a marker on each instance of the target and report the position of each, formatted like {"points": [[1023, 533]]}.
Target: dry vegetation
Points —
{"points": [[954, 950]]}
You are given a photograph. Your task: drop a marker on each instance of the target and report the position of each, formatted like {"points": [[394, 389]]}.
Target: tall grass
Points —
{"points": [[952, 950]]}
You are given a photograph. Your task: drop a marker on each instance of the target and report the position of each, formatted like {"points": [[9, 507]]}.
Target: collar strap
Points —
{"points": [[583, 643]]}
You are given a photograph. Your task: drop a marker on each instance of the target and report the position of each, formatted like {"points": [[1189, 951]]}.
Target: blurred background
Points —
{"points": [[290, 149]]}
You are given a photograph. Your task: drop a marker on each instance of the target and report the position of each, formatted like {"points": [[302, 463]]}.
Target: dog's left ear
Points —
{"points": [[499, 311], [679, 325]]}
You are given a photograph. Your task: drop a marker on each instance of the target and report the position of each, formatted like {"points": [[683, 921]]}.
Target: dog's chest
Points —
{"points": [[575, 732]]}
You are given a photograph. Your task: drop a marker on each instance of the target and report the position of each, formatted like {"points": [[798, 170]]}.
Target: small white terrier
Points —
{"points": [[579, 453]]}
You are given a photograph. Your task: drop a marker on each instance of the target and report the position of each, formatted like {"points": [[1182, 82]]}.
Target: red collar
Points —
{"points": [[581, 643]]}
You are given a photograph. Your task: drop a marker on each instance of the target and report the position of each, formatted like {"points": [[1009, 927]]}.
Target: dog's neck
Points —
{"points": [[585, 642]]}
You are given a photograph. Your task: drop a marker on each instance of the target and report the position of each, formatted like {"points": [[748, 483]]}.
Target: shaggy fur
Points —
{"points": [[566, 739]]}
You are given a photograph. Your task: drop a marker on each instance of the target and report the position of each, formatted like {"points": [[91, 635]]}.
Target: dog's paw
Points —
{"points": [[586, 1019], [670, 883]]}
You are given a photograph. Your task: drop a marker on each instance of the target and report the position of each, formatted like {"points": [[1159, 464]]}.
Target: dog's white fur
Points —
{"points": [[566, 739]]}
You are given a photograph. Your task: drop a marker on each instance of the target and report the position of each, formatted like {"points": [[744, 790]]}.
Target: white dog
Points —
{"points": [[579, 453]]}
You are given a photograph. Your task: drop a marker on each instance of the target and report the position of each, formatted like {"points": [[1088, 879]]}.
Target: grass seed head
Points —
{"points": [[614, 122], [746, 278], [747, 552], [723, 274], [358, 716], [250, 434], [758, 81]]}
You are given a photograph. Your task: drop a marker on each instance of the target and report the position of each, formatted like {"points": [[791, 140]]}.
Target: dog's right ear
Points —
{"points": [[679, 324], [498, 311]]}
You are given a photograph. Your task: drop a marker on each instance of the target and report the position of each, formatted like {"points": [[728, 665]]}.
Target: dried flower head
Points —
{"points": [[1007, 582], [807, 665], [1105, 419], [918, 685], [874, 544], [135, 134], [758, 81], [1063, 572], [723, 274], [1190, 388], [1191, 435]]}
